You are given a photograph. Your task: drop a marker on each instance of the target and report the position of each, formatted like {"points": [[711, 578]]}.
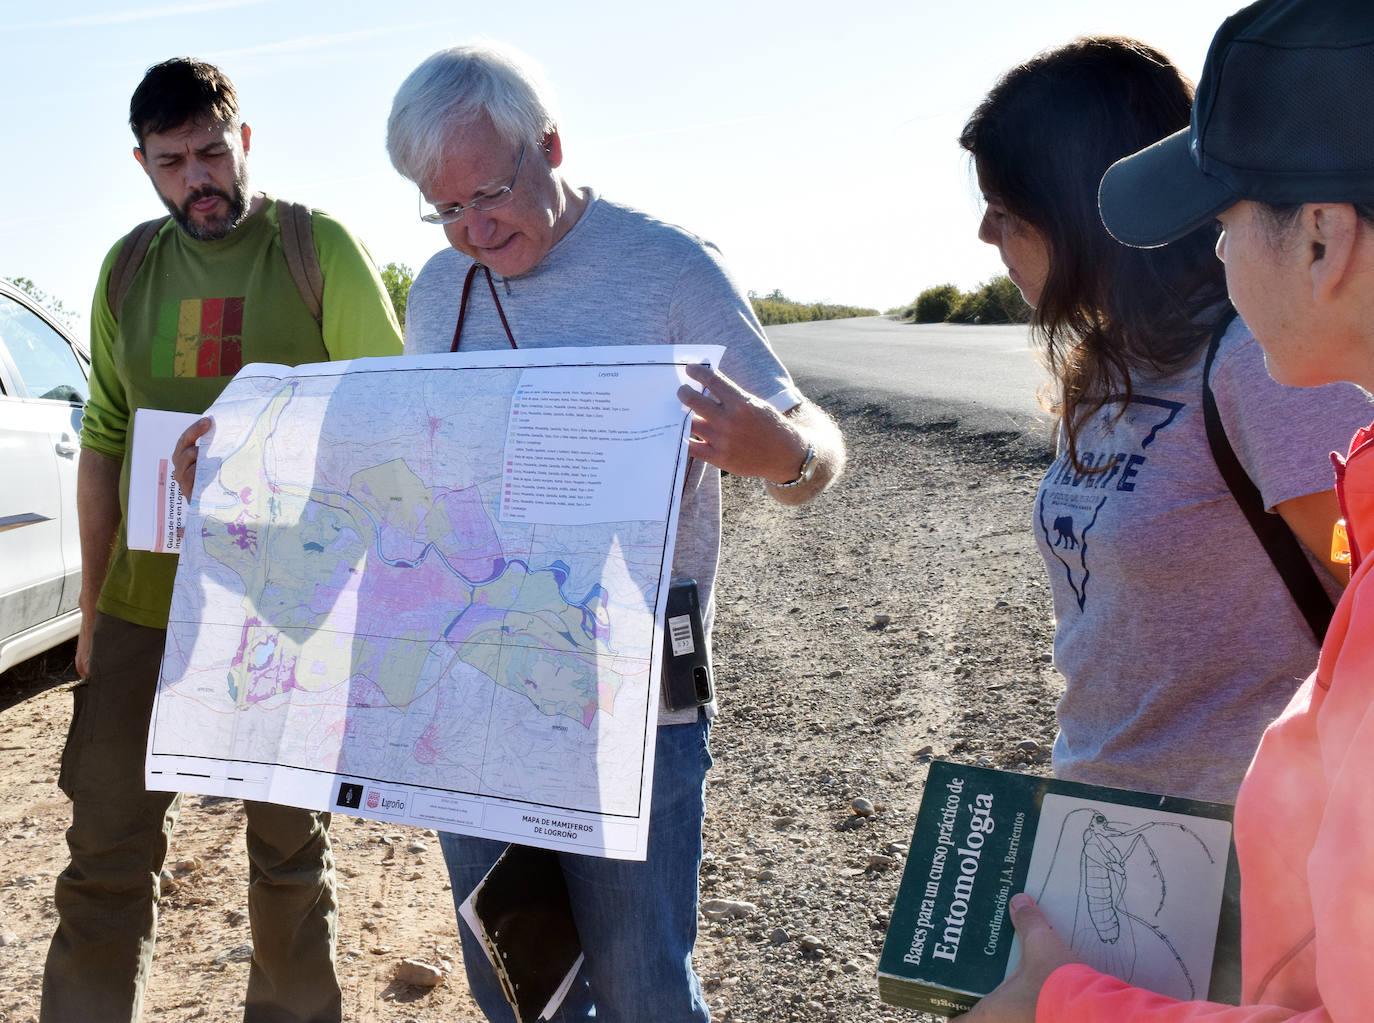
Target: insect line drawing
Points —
{"points": [[1104, 926]]}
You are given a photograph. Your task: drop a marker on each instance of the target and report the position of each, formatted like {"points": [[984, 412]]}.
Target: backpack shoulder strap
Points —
{"points": [[1278, 540], [298, 245], [128, 260]]}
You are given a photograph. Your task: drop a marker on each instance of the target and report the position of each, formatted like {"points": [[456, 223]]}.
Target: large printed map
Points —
{"points": [[426, 589]]}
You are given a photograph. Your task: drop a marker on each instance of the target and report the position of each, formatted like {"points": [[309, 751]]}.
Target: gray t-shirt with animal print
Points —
{"points": [[1177, 638]]}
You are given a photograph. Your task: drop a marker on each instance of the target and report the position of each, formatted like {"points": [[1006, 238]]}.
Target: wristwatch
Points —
{"points": [[807, 470]]}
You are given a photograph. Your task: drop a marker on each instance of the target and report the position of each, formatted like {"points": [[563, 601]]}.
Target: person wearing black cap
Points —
{"points": [[1134, 519], [1280, 150]]}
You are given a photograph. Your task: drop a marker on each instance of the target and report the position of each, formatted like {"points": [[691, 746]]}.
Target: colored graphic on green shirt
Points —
{"points": [[199, 337]]}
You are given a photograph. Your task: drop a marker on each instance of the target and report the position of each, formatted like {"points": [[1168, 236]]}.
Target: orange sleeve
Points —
{"points": [[1079, 994]]}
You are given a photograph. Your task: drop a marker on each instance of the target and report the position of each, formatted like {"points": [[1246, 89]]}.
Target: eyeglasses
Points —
{"points": [[491, 201]]}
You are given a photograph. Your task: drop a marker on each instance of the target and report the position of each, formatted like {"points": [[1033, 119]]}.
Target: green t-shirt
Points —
{"points": [[196, 313]]}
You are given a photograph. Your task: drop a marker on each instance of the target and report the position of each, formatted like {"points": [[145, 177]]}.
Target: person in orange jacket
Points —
{"points": [[1281, 152]]}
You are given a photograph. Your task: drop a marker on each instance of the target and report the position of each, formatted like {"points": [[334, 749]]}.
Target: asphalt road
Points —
{"points": [[979, 381]]}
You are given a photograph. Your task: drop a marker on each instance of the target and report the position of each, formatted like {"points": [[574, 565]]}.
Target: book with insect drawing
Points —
{"points": [[1144, 887]]}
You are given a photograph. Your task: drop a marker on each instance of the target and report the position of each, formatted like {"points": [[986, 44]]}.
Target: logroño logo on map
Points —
{"points": [[386, 802]]}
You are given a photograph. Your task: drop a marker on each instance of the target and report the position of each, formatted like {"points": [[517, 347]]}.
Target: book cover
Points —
{"points": [[521, 914], [1144, 887]]}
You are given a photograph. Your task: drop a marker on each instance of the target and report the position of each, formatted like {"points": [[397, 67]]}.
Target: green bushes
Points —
{"points": [[398, 278], [51, 303], [934, 305], [994, 301], [775, 307]]}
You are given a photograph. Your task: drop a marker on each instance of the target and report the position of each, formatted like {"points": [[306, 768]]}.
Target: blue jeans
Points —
{"points": [[638, 921]]}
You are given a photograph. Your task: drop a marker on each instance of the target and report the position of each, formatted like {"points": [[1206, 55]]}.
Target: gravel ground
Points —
{"points": [[902, 616]]}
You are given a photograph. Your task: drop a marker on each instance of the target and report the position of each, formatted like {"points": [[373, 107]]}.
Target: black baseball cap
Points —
{"points": [[1284, 113]]}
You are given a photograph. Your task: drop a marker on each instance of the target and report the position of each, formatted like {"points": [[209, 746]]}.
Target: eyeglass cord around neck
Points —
{"points": [[463, 305]]}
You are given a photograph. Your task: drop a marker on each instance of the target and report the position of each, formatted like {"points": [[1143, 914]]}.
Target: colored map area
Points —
{"points": [[388, 576]]}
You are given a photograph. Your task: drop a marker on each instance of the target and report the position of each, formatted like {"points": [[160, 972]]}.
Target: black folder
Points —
{"points": [[521, 914]]}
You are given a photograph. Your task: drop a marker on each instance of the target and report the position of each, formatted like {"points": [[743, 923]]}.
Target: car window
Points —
{"points": [[47, 364]]}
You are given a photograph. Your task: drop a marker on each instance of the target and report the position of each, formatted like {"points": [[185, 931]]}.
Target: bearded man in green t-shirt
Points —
{"points": [[209, 291]]}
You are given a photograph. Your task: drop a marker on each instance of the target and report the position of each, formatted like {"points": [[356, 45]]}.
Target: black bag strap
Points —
{"points": [[1278, 540], [297, 243]]}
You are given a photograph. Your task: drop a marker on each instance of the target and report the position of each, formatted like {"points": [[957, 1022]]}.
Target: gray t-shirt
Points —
{"points": [[1178, 639], [619, 277]]}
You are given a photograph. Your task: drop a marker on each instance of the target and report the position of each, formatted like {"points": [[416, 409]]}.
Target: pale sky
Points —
{"points": [[814, 143]]}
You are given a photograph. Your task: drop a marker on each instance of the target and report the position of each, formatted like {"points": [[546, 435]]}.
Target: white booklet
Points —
{"points": [[157, 509]]}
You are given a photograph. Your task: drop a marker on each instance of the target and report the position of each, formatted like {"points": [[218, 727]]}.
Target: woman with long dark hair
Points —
{"points": [[1159, 579]]}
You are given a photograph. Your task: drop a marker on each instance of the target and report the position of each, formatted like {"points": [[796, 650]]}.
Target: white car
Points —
{"points": [[43, 388]]}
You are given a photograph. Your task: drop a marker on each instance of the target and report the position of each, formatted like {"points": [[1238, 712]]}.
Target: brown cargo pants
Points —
{"points": [[106, 899]]}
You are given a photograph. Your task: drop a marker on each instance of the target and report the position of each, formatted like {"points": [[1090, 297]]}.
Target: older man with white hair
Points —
{"points": [[561, 266]]}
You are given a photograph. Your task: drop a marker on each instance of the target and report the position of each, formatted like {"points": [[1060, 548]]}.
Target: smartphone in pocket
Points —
{"points": [[686, 678]]}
